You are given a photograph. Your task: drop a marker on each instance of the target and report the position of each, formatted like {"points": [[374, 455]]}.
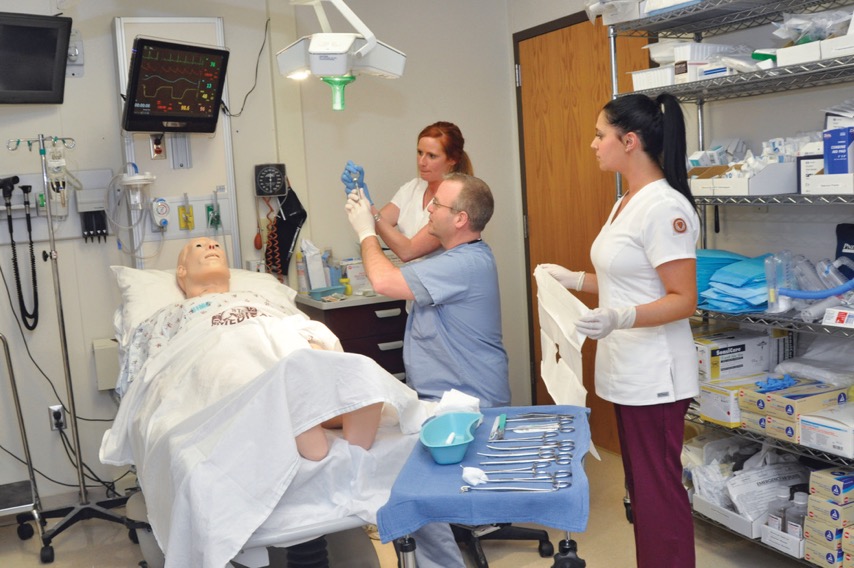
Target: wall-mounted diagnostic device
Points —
{"points": [[174, 87], [270, 179]]}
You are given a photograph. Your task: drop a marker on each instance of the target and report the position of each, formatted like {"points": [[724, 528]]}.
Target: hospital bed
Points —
{"points": [[223, 480]]}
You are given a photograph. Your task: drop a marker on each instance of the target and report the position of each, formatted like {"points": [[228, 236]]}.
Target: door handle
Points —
{"points": [[390, 313]]}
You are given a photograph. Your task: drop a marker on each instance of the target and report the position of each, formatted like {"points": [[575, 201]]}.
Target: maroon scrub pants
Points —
{"points": [[651, 440]]}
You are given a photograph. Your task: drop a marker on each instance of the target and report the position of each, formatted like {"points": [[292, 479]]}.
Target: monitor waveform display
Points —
{"points": [[178, 83]]}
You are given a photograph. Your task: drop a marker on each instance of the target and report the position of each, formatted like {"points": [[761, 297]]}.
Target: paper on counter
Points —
{"points": [[313, 264], [561, 344]]}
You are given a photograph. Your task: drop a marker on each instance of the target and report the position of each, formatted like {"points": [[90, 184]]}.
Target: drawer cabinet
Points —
{"points": [[372, 329]]}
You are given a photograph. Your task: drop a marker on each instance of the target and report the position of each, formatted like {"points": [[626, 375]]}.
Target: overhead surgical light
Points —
{"points": [[338, 57]]}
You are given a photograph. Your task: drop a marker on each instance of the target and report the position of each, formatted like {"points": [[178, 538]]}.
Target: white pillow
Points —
{"points": [[146, 291]]}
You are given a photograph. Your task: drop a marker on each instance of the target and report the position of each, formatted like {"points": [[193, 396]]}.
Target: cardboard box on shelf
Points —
{"points": [[839, 317], [719, 399], [848, 539], [842, 46], [688, 71], [830, 512], [822, 555], [773, 179], [839, 150], [792, 402], [834, 484], [830, 430], [753, 422], [752, 401], [783, 429], [821, 184], [730, 519], [809, 166], [829, 534], [798, 54], [732, 354], [785, 543]]}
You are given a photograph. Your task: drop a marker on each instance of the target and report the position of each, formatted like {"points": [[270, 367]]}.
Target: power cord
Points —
{"points": [[52, 480], [32, 359], [255, 84]]}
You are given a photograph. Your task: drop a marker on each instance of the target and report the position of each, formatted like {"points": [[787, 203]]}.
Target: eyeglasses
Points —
{"points": [[437, 204]]}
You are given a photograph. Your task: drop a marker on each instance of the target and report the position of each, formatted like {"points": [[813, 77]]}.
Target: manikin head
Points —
{"points": [[202, 268]]}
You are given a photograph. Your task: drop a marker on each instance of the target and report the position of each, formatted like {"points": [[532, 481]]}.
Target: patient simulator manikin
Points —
{"points": [[203, 269]]}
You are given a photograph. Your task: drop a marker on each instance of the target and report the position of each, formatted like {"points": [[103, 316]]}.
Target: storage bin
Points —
{"points": [[653, 78], [695, 51]]}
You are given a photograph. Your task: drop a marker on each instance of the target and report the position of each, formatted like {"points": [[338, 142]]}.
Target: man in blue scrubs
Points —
{"points": [[453, 334]]}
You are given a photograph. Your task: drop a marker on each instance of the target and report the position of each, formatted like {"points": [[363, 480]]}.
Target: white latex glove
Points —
{"points": [[602, 321], [359, 214], [568, 279]]}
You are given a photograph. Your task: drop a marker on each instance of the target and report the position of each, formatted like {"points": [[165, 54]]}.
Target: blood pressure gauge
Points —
{"points": [[270, 180]]}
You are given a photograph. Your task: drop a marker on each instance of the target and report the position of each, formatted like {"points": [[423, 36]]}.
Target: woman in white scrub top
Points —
{"points": [[645, 276], [402, 222]]}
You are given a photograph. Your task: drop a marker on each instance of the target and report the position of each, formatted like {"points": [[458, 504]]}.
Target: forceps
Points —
{"points": [[562, 446], [547, 454], [534, 416], [563, 427]]}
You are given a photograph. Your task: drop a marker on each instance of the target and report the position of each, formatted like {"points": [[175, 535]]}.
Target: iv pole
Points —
{"points": [[84, 510]]}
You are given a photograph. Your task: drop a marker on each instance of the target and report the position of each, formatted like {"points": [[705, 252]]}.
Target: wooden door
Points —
{"points": [[565, 79]]}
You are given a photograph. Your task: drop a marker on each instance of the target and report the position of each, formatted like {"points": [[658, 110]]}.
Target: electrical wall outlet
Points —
{"points": [[157, 145], [57, 417]]}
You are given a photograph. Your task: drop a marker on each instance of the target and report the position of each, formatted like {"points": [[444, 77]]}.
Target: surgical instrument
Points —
{"points": [[560, 425], [467, 488], [534, 416], [559, 445], [544, 453], [497, 432], [536, 476], [555, 486], [559, 459], [544, 437]]}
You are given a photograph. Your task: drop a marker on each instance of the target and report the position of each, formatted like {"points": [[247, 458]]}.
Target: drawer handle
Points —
{"points": [[390, 313], [390, 345]]}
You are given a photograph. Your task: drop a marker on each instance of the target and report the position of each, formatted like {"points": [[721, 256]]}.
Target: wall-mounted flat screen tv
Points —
{"points": [[33, 57], [174, 87]]}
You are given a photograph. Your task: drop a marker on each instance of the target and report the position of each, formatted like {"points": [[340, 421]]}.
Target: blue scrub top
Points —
{"points": [[453, 333]]}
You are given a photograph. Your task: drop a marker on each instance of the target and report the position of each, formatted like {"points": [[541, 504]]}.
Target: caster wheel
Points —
{"points": [[629, 516], [25, 531], [546, 549], [46, 554], [143, 564], [134, 538]]}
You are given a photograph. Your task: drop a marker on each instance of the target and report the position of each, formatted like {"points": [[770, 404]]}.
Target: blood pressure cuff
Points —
{"points": [[845, 245], [289, 221]]}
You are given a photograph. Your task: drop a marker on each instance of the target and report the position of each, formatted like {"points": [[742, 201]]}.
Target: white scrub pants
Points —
{"points": [[435, 547]]}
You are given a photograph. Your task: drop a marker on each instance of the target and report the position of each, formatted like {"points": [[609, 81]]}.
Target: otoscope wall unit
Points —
{"points": [[69, 224]]}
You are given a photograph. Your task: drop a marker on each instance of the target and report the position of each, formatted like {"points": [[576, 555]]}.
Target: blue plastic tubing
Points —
{"points": [[818, 294]]}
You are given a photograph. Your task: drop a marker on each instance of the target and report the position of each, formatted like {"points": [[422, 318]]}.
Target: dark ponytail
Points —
{"points": [[660, 126]]}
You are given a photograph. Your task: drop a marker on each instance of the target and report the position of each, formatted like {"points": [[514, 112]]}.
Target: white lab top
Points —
{"points": [[409, 199], [645, 365]]}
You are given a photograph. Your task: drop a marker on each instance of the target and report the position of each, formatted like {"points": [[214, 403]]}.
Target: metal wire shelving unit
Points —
{"points": [[714, 17], [708, 18], [779, 321]]}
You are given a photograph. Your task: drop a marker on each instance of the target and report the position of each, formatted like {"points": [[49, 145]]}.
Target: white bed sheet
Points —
{"points": [[212, 436]]}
